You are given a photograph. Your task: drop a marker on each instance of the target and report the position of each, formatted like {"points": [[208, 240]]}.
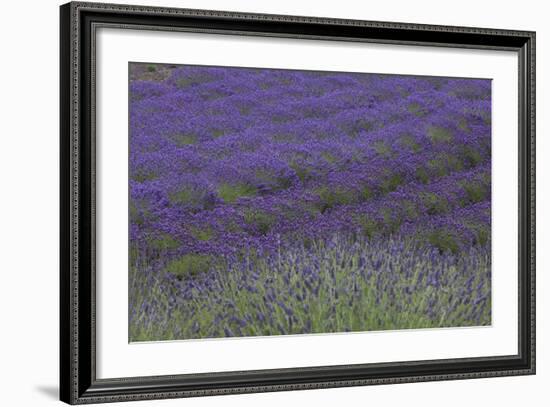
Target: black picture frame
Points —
{"points": [[78, 382]]}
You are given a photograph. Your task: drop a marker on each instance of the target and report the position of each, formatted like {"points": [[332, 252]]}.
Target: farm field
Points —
{"points": [[274, 202]]}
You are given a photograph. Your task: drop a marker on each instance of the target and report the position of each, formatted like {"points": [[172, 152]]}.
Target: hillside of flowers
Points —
{"points": [[271, 202]]}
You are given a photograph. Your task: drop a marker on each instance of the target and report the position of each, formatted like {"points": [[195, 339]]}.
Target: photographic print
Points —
{"points": [[275, 202]]}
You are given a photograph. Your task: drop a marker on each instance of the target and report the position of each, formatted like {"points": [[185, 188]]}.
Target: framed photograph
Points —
{"points": [[255, 203]]}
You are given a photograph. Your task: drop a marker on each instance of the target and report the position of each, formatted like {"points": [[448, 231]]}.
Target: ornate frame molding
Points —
{"points": [[77, 210]]}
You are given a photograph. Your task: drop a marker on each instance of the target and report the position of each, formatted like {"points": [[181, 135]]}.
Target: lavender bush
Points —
{"points": [[269, 202]]}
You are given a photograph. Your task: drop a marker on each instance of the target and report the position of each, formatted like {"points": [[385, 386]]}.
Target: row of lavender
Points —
{"points": [[240, 165], [339, 285]]}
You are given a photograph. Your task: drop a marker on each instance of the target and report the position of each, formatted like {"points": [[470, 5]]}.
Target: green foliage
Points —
{"points": [[191, 80], [280, 118], [422, 175], [195, 199], [486, 116], [139, 211], [185, 82], [444, 164], [307, 242], [185, 196], [151, 68], [391, 183], [437, 166], [283, 182], [443, 240], [463, 125], [231, 192], [453, 163], [261, 221], [434, 203], [329, 198], [283, 137], [189, 265], [416, 109], [475, 190], [232, 226], [366, 193], [409, 141], [329, 157], [285, 81], [142, 175], [276, 182], [471, 156], [439, 134], [163, 243], [203, 234], [410, 209], [356, 127], [482, 232], [217, 132], [382, 148], [392, 221], [301, 170], [245, 110], [185, 139], [369, 227]]}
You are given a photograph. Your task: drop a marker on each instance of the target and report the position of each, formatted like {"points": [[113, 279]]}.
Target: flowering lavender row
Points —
{"points": [[338, 285], [235, 164]]}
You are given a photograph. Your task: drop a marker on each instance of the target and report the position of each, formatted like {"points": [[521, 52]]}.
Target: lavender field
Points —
{"points": [[272, 202]]}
